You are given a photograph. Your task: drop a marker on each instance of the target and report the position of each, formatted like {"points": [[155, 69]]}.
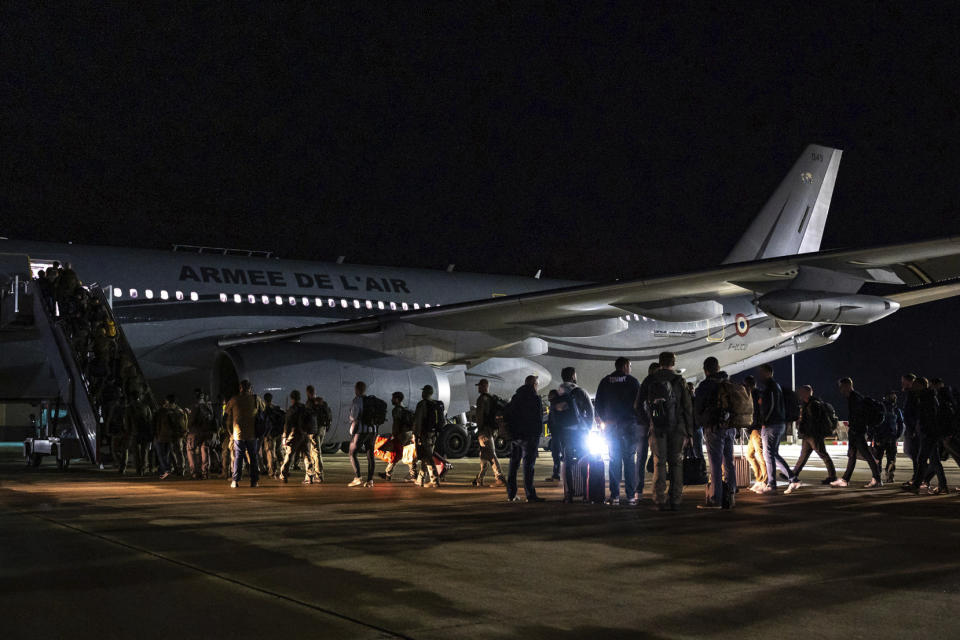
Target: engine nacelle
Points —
{"points": [[333, 370], [797, 305]]}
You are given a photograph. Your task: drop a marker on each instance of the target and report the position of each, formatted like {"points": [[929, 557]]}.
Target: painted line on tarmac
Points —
{"points": [[219, 576]]}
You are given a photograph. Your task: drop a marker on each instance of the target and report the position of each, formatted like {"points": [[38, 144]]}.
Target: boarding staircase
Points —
{"points": [[24, 307]]}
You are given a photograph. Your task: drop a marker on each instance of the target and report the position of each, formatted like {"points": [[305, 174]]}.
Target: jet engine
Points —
{"points": [[333, 370], [797, 305]]}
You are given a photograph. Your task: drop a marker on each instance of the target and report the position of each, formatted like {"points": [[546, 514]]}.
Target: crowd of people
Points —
{"points": [[664, 415], [660, 414]]}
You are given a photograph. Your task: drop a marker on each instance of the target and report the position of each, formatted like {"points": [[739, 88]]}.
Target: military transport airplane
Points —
{"points": [[202, 319]]}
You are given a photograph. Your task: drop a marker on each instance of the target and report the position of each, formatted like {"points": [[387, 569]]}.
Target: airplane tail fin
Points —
{"points": [[793, 219]]}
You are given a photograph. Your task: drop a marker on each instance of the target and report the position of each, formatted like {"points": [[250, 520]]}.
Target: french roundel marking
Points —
{"points": [[742, 325]]}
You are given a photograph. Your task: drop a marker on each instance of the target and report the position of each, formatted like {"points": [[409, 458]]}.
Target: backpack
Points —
{"points": [[791, 405], [662, 404], [204, 419], [565, 412], [260, 425], [736, 405], [501, 413], [824, 418], [374, 411], [434, 417], [324, 415], [873, 412]]}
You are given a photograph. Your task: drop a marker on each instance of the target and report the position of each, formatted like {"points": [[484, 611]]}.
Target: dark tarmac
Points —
{"points": [[87, 554]]}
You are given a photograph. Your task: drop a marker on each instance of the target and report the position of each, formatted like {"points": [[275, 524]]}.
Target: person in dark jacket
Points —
{"points": [[911, 443], [618, 395], [755, 442], [671, 421], [773, 419], [719, 438], [487, 428], [857, 437], [273, 419], [814, 425], [925, 408], [525, 423], [884, 437]]}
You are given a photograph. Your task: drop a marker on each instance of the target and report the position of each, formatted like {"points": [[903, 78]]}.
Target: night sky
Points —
{"points": [[592, 141]]}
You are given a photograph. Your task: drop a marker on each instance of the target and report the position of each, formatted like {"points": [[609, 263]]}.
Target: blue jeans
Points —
{"points": [[623, 461], [242, 448], [720, 454], [771, 436], [643, 450], [163, 456], [525, 450]]}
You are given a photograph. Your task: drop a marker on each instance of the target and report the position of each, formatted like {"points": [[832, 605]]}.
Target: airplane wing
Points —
{"points": [[911, 264]]}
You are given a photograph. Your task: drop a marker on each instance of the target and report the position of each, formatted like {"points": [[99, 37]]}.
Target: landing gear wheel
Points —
{"points": [[35, 460], [330, 448], [502, 446], [454, 441]]}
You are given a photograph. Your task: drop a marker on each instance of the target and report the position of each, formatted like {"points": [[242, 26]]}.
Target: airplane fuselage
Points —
{"points": [[174, 306]]}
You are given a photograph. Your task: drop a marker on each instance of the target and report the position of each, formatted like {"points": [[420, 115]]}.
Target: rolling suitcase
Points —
{"points": [[578, 479], [592, 470], [742, 468]]}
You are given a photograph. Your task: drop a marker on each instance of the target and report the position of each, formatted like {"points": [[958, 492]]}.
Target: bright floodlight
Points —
{"points": [[597, 445]]}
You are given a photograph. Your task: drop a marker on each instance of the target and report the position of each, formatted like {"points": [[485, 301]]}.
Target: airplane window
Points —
{"points": [[149, 294], [194, 296], [279, 300], [380, 305], [117, 292], [252, 299], [331, 302], [318, 302], [179, 295], [236, 297], [306, 301], [369, 305], [393, 306], [416, 305], [265, 299], [343, 303], [426, 306], [133, 293], [223, 297], [405, 307], [356, 304], [636, 317], [164, 295], [293, 301]]}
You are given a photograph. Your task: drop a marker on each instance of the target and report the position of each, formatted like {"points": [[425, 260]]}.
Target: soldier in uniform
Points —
{"points": [[177, 418], [200, 430], [119, 436], [425, 429], [226, 444], [138, 422], [402, 433], [316, 429], [486, 435], [293, 435], [272, 434]]}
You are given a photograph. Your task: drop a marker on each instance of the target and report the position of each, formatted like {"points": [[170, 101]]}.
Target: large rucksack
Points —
{"points": [[325, 415], [823, 418], [946, 414], [791, 405], [374, 411], [873, 413], [565, 411], [203, 418], [501, 410], [434, 417], [662, 403], [736, 405]]}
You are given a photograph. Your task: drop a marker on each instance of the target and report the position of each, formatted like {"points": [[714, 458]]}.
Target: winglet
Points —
{"points": [[793, 219]]}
